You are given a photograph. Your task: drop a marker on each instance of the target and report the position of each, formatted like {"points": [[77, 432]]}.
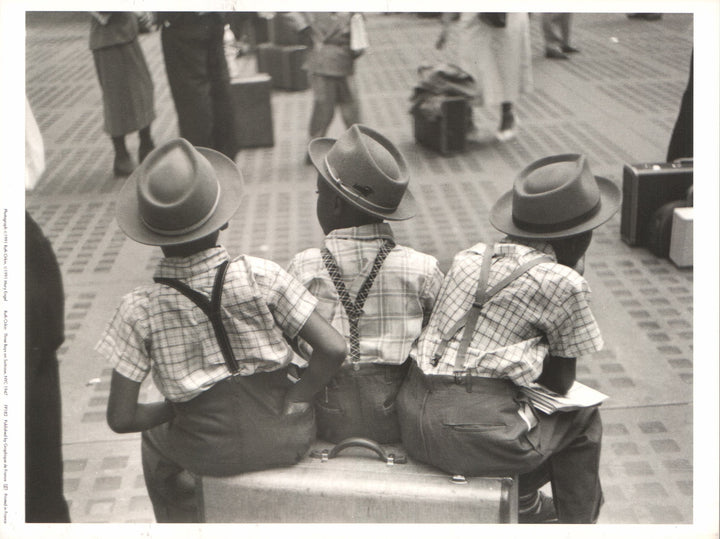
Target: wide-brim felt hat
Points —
{"points": [[367, 170], [178, 194], [555, 197]]}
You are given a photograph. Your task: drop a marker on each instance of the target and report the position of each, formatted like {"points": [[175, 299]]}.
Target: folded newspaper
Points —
{"points": [[578, 396]]}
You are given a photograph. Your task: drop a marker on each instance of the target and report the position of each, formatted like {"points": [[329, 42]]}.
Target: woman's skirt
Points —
{"points": [[127, 88]]}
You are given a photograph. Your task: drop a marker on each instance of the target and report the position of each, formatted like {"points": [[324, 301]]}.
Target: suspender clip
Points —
{"points": [[435, 360], [458, 376]]}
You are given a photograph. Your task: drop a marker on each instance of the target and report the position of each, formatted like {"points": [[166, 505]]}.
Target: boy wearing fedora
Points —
{"points": [[212, 331], [377, 293], [508, 315]]}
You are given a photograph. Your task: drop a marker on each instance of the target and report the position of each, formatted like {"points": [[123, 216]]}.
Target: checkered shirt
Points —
{"points": [[399, 302], [157, 329], [545, 310]]}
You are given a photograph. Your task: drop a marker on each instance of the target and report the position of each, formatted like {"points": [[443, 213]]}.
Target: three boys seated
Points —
{"points": [[395, 351]]}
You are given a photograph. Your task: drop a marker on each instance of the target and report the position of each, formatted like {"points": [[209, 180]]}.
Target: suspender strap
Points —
{"points": [[482, 294], [212, 309], [354, 308]]}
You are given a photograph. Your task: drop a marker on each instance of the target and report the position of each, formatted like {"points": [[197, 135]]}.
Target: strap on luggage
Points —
{"points": [[482, 294], [211, 308], [354, 308]]}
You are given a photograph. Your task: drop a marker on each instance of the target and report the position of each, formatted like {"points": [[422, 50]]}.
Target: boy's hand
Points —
{"points": [[293, 407]]}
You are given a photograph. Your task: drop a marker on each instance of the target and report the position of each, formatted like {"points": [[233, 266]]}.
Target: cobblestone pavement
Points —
{"points": [[616, 101]]}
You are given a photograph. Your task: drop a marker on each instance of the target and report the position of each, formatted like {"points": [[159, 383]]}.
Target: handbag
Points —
{"points": [[494, 19], [358, 34]]}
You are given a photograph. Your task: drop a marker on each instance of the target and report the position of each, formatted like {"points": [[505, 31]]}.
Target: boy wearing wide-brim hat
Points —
{"points": [[377, 293], [212, 331], [506, 316]]}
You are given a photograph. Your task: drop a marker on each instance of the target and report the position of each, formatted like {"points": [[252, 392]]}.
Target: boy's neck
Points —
{"points": [[353, 223], [190, 248]]}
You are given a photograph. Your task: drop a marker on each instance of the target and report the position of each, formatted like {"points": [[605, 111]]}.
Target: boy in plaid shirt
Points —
{"points": [[507, 316], [378, 294], [212, 331]]}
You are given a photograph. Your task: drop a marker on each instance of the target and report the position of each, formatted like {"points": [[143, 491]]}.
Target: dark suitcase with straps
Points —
{"points": [[366, 483], [645, 188], [284, 63], [445, 133]]}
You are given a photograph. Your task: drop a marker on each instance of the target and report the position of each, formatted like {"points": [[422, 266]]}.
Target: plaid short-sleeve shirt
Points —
{"points": [[156, 329], [546, 310], [399, 302]]}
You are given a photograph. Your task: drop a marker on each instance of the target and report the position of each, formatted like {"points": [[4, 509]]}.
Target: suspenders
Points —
{"points": [[354, 308], [482, 294], [212, 309]]}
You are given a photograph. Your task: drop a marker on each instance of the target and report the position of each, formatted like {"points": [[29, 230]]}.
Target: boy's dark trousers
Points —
{"points": [[234, 427], [361, 403], [473, 428]]}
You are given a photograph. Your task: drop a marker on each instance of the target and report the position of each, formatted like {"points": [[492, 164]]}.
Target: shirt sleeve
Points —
{"points": [[574, 330], [288, 300], [430, 291], [125, 342]]}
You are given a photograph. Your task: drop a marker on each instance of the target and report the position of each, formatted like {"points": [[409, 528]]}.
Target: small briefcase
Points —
{"points": [[645, 188]]}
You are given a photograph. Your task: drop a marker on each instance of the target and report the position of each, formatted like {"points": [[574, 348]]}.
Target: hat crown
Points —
{"points": [[368, 169], [177, 190], [555, 193]]}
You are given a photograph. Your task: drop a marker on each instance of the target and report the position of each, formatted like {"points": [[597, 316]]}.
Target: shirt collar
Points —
{"points": [[522, 246], [183, 267], [372, 231]]}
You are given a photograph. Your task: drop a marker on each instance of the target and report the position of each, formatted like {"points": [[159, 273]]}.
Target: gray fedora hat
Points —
{"points": [[178, 194], [555, 197], [366, 170]]}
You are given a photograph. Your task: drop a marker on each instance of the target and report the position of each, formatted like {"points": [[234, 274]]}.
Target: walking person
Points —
{"points": [[494, 48], [125, 81], [197, 72], [506, 316], [331, 67]]}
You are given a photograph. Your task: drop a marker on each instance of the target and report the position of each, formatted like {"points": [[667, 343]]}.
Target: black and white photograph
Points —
{"points": [[437, 265]]}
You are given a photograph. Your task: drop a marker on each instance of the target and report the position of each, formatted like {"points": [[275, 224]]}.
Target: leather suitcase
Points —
{"points": [[645, 188], [284, 63], [447, 132], [283, 30], [366, 483], [253, 112]]}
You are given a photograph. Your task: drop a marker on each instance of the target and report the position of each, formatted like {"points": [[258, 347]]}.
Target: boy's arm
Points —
{"points": [[329, 350], [558, 373], [126, 414]]}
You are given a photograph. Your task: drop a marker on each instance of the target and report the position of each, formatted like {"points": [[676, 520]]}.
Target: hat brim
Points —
{"points": [[610, 196], [231, 190], [318, 149]]}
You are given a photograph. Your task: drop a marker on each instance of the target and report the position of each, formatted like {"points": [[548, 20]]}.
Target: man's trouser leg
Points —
{"points": [[172, 489], [552, 40], [187, 72]]}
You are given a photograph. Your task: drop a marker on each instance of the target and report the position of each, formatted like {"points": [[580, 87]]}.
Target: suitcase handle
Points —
{"points": [[387, 458]]}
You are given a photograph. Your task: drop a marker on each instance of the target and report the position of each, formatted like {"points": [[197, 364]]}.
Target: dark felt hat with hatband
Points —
{"points": [[178, 194], [366, 170], [555, 197]]}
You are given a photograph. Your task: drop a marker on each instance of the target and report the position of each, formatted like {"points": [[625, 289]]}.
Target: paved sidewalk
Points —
{"points": [[616, 101]]}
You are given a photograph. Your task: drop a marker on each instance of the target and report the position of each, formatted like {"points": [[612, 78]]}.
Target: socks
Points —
{"points": [[529, 503]]}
